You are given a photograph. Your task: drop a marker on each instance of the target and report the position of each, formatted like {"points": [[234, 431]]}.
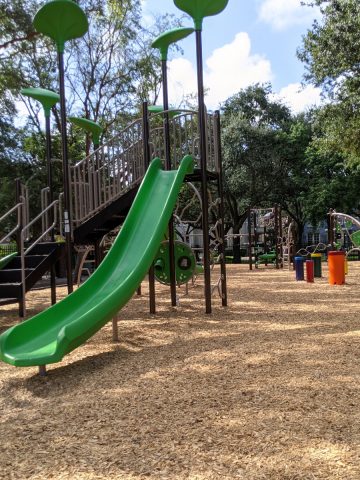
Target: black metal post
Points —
{"points": [[256, 237], [203, 160], [168, 167], [18, 240], [276, 213], [221, 211], [281, 239], [18, 200], [66, 176], [146, 152], [51, 198], [250, 239]]}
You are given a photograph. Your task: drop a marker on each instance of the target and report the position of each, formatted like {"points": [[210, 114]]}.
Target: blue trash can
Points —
{"points": [[299, 267]]}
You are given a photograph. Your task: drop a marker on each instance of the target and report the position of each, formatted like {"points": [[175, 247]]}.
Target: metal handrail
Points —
{"points": [[115, 167], [24, 252], [109, 142], [107, 173], [38, 217], [17, 208]]}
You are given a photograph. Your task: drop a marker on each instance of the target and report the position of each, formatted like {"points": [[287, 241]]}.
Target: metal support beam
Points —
{"points": [[203, 166]]}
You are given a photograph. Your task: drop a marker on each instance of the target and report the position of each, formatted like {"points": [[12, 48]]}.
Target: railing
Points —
{"points": [[114, 168], [49, 211], [184, 138], [107, 173], [18, 208]]}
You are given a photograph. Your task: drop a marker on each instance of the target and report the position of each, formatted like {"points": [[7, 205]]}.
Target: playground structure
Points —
{"points": [[265, 235], [268, 240], [344, 233], [117, 181]]}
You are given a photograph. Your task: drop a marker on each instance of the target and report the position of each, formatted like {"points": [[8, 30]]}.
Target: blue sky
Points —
{"points": [[250, 41]]}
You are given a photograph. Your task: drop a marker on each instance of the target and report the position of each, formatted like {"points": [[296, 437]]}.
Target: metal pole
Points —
{"points": [[66, 176], [203, 160], [250, 239], [146, 152], [51, 198], [281, 239], [276, 212], [221, 211], [20, 248], [168, 167]]}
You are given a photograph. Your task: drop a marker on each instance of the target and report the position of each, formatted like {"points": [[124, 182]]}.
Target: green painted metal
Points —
{"points": [[89, 126], [163, 41], [61, 20], [355, 238], [6, 260], [199, 9], [159, 108], [185, 264], [47, 98], [50, 335], [267, 258]]}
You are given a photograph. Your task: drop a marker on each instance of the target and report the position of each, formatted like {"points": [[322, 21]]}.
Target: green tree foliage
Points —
{"points": [[331, 52], [108, 73], [254, 126]]}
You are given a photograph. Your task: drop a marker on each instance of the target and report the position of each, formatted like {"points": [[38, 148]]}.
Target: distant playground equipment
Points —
{"points": [[343, 243], [268, 238], [344, 233], [336, 264], [116, 180]]}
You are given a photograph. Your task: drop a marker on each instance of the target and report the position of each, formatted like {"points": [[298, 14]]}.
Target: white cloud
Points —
{"points": [[299, 98], [228, 70], [182, 80], [282, 14], [147, 17], [233, 67]]}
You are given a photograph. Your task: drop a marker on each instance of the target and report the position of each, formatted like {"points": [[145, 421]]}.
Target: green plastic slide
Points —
{"points": [[7, 259], [50, 335]]}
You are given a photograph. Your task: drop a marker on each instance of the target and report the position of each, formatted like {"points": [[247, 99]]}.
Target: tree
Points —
{"points": [[331, 52], [108, 72], [253, 126]]}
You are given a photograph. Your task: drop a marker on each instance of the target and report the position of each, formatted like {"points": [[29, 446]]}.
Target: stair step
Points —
{"points": [[8, 301], [10, 290], [13, 275], [31, 261]]}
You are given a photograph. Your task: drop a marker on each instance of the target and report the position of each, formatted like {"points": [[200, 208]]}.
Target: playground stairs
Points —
{"points": [[104, 184], [37, 263], [105, 220]]}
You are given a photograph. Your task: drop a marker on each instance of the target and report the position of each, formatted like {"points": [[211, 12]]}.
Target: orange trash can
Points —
{"points": [[336, 264]]}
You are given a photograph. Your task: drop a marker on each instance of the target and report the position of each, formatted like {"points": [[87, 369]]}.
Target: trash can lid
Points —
{"points": [[298, 259], [336, 253], [316, 255]]}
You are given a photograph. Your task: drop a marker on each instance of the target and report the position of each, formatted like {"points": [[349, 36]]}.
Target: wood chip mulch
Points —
{"points": [[267, 388]]}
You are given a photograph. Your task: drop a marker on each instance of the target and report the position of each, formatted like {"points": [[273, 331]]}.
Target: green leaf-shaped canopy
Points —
{"points": [[61, 20], [47, 98], [89, 126], [171, 36], [198, 9], [159, 108]]}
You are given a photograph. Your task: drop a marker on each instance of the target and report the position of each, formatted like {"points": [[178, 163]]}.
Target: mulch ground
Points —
{"points": [[267, 388]]}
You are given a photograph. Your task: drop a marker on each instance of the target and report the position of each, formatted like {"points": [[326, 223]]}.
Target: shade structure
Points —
{"points": [[163, 41], [47, 98], [159, 108], [199, 9], [89, 126], [61, 20]]}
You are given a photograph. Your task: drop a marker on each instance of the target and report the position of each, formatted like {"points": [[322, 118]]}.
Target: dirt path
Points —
{"points": [[265, 389]]}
